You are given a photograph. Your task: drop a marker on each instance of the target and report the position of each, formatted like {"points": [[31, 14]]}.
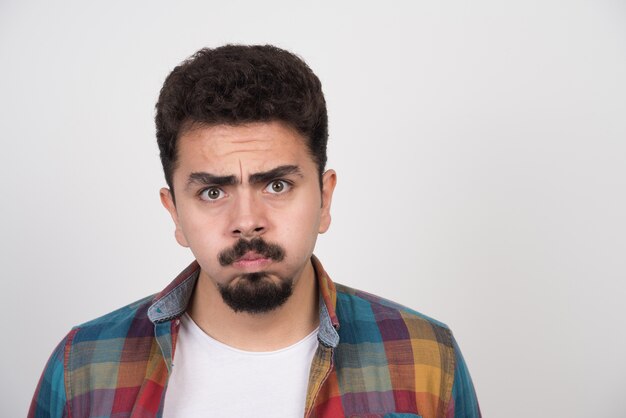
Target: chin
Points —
{"points": [[256, 293]]}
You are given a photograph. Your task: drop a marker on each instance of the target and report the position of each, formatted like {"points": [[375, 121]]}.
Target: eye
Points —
{"points": [[211, 194], [278, 187]]}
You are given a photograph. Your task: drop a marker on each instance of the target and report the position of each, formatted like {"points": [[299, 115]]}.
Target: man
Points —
{"points": [[254, 327]]}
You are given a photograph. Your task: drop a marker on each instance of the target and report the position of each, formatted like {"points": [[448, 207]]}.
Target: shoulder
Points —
{"points": [[103, 340], [393, 320], [90, 349], [374, 327], [395, 347], [132, 318]]}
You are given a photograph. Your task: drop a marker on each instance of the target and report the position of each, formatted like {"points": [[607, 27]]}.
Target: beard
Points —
{"points": [[254, 293]]}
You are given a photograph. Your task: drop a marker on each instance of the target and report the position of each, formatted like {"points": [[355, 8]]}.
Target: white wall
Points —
{"points": [[481, 155]]}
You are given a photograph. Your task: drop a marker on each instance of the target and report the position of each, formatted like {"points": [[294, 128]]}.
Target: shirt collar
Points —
{"points": [[172, 301]]}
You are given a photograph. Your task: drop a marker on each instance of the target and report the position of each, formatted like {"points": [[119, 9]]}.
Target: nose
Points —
{"points": [[248, 218]]}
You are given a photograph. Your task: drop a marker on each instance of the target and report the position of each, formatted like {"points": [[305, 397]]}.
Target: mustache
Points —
{"points": [[258, 245]]}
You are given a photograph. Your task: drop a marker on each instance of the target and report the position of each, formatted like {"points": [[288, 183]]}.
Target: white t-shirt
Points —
{"points": [[212, 379]]}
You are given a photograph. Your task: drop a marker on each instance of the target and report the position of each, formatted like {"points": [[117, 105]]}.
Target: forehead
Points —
{"points": [[246, 147]]}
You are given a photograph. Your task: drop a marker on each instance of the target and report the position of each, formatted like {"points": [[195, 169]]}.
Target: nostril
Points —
{"points": [[259, 229]]}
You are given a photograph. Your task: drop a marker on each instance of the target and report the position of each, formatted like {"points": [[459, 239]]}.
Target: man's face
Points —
{"points": [[249, 206]]}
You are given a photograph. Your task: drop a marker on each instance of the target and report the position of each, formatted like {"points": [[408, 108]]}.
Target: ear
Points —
{"points": [[167, 199], [329, 181]]}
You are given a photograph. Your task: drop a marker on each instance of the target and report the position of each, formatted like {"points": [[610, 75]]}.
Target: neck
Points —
{"points": [[273, 330]]}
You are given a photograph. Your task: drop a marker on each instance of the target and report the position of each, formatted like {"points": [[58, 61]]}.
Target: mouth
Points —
{"points": [[251, 260]]}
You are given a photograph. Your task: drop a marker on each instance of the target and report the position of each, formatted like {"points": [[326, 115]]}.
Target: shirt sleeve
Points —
{"points": [[50, 400], [463, 403]]}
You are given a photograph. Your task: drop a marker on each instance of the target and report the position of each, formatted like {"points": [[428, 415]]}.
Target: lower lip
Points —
{"points": [[259, 262]]}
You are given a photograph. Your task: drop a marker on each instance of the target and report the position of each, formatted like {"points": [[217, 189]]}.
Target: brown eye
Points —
{"points": [[278, 187], [212, 193]]}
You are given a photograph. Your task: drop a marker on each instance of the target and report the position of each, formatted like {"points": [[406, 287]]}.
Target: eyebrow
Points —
{"points": [[280, 171], [208, 179]]}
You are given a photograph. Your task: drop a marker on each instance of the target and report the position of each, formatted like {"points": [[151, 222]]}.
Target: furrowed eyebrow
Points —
{"points": [[280, 171], [208, 179]]}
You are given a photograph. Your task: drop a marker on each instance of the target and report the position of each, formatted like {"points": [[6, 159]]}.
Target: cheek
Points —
{"points": [[203, 233], [300, 228]]}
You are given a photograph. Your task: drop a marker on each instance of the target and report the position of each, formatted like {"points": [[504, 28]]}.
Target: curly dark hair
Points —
{"points": [[236, 84]]}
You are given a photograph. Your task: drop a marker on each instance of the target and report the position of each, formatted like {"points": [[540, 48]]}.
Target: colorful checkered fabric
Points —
{"points": [[375, 358]]}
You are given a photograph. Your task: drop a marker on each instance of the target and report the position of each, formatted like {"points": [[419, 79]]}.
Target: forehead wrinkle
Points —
{"points": [[240, 172], [245, 141], [238, 151]]}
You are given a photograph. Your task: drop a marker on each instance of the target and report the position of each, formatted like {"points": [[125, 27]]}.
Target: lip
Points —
{"points": [[252, 260]]}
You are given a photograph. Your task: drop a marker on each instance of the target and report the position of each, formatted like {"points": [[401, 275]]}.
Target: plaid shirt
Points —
{"points": [[384, 360]]}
